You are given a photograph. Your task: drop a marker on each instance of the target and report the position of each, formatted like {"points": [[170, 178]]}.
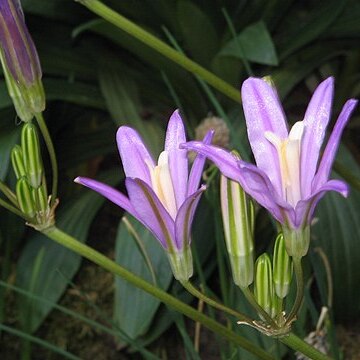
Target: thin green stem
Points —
{"points": [[194, 291], [299, 289], [238, 42], [252, 301], [152, 41], [50, 146], [295, 342], [71, 243], [8, 193], [12, 209]]}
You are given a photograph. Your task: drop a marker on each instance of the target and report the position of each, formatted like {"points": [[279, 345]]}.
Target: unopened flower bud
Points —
{"points": [[238, 218], [181, 263], [264, 287], [40, 197], [20, 61], [24, 197], [17, 160], [282, 268], [32, 157]]}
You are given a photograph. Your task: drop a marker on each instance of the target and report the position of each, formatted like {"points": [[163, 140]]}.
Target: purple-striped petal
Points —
{"points": [[18, 47], [185, 218], [150, 211], [254, 181], [263, 112], [198, 166], [109, 192], [328, 157], [178, 161], [223, 159], [134, 155], [315, 122], [305, 208]]}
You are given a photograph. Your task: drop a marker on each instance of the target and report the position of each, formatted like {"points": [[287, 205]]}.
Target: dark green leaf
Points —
{"points": [[337, 232], [199, 34], [253, 43], [134, 308]]}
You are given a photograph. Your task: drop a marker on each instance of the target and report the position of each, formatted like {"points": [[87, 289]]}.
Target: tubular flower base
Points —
{"points": [[287, 181], [162, 196]]}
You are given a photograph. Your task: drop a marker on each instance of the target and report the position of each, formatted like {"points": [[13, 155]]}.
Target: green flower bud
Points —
{"points": [[24, 197], [40, 198], [264, 288], [32, 157], [17, 160], [181, 263], [282, 268], [238, 222]]}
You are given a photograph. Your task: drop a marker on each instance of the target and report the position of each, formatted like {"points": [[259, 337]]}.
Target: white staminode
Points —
{"points": [[289, 159], [162, 183]]}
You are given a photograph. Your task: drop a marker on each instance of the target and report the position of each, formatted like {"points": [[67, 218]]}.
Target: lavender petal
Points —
{"points": [[178, 162], [109, 192], [315, 122], [330, 151], [263, 112], [198, 166], [134, 154], [185, 218], [151, 212]]}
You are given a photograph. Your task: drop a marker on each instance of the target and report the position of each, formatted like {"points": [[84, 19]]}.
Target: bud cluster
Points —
{"points": [[273, 279], [31, 191]]}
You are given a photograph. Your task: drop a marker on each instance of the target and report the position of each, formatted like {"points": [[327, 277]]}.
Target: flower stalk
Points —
{"points": [[89, 253], [152, 41]]}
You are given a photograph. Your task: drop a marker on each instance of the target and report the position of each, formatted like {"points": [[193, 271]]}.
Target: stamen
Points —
{"points": [[289, 160], [162, 183]]}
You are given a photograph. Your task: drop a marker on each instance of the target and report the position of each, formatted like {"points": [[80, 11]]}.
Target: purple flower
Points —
{"points": [[20, 61], [18, 48], [162, 196], [289, 178]]}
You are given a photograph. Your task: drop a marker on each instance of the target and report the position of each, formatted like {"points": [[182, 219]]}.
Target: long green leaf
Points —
{"points": [[135, 309], [337, 232], [254, 43]]}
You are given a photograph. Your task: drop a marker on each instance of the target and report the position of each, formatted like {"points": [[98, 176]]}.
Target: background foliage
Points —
{"points": [[97, 77]]}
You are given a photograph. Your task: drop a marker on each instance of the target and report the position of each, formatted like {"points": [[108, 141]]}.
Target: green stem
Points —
{"points": [[295, 342], [137, 32], [8, 193], [94, 256], [87, 252], [50, 146], [251, 299], [192, 290], [299, 289], [12, 209]]}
